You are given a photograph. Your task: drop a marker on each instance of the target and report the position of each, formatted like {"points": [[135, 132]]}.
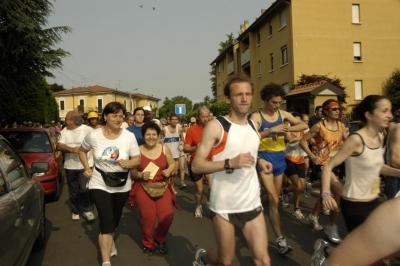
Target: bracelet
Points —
{"points": [[326, 194]]}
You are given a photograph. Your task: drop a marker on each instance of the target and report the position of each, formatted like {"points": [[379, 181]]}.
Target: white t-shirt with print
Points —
{"points": [[106, 152], [73, 138]]}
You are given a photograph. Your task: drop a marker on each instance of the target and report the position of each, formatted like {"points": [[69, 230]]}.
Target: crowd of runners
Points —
{"points": [[248, 162]]}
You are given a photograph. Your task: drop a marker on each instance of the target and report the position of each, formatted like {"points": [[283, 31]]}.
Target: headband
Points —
{"points": [[332, 104]]}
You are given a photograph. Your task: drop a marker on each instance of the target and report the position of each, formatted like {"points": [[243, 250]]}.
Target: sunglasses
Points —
{"points": [[334, 109]]}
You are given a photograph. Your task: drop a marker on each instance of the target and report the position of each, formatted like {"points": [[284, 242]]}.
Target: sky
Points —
{"points": [[163, 48]]}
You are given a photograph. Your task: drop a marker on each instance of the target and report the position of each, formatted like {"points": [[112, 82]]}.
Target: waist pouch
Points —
{"points": [[114, 179], [156, 189]]}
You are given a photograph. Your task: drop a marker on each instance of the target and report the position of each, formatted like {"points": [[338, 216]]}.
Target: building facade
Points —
{"points": [[354, 41], [94, 98]]}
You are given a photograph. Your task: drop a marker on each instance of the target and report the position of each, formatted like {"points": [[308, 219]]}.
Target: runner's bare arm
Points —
{"points": [[314, 131], [290, 139], [394, 144], [256, 117], [352, 146], [296, 125]]}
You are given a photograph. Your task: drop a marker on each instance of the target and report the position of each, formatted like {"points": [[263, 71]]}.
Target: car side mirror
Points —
{"points": [[39, 168]]}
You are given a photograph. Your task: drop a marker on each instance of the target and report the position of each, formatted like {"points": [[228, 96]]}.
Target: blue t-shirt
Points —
{"points": [[138, 133]]}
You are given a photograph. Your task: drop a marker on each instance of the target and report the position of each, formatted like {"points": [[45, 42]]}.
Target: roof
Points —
{"points": [[314, 89], [101, 89]]}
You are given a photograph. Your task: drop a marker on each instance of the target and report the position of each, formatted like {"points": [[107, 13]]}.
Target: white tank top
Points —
{"points": [[240, 191], [172, 141], [362, 173]]}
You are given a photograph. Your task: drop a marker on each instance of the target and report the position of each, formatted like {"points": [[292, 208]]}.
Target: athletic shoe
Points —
{"points": [[332, 233], [308, 190], [162, 247], [89, 216], [113, 250], [106, 263], [326, 212], [176, 192], [314, 222], [283, 246], [297, 213], [285, 196], [197, 258], [182, 185], [283, 203], [198, 212], [148, 252], [75, 217], [319, 256]]}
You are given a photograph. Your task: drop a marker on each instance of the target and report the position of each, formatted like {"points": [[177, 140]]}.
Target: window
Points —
{"points": [[219, 68], [12, 165], [82, 103], [357, 51], [283, 18], [355, 11], [62, 105], [125, 103], [219, 90], [223, 66], [358, 90], [258, 37], [284, 55], [100, 105], [270, 28], [272, 61], [259, 68]]}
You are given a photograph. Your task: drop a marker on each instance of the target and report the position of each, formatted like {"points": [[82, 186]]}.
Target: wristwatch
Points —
{"points": [[228, 168]]}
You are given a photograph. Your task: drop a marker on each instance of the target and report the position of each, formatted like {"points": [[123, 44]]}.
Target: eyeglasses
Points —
{"points": [[334, 109]]}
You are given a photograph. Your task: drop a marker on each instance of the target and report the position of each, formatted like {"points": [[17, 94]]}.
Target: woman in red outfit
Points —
{"points": [[153, 154]]}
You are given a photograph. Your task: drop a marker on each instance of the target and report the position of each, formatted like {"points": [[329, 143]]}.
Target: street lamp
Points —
{"points": [[130, 98]]}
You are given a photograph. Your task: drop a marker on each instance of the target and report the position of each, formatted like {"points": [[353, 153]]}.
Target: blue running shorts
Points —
{"points": [[276, 158]]}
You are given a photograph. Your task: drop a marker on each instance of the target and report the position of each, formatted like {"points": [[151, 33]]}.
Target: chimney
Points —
{"points": [[263, 10], [246, 24], [242, 29]]}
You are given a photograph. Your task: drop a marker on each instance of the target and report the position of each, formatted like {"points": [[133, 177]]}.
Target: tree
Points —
{"points": [[391, 89], [307, 79], [220, 108], [213, 73], [55, 87], [168, 107], [27, 52]]}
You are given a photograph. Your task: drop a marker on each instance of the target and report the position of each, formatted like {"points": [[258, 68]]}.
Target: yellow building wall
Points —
{"points": [[323, 37]]}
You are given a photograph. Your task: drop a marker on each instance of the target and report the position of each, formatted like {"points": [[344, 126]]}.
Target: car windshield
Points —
{"points": [[25, 141]]}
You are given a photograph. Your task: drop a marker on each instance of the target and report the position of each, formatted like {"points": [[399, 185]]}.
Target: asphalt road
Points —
{"points": [[75, 242]]}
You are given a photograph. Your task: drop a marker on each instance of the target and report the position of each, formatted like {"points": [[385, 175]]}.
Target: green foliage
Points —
{"points": [[27, 54], [26, 47], [31, 103], [335, 81], [391, 89], [55, 87], [220, 108], [168, 107], [213, 80]]}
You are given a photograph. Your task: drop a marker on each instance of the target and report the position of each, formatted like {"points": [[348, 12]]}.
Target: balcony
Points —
{"points": [[245, 57], [231, 68]]}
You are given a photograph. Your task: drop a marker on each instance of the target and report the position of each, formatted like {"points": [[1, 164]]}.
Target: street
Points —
{"points": [[75, 242]]}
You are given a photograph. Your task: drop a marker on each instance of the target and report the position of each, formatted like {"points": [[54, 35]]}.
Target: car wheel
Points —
{"points": [[56, 195], [41, 238]]}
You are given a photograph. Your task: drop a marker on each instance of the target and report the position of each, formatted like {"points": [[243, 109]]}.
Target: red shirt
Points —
{"points": [[193, 137]]}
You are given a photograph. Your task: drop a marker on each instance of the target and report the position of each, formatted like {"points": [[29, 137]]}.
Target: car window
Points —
{"points": [[12, 166], [29, 142]]}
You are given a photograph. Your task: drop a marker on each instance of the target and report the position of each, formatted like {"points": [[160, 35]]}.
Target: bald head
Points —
{"points": [[73, 119]]}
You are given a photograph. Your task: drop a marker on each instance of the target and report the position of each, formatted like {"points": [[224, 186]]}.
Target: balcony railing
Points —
{"points": [[231, 68], [245, 57]]}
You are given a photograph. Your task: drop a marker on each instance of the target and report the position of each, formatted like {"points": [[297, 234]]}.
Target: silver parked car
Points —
{"points": [[22, 207]]}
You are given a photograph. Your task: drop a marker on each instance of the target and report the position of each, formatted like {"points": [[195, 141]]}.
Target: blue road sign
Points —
{"points": [[180, 109]]}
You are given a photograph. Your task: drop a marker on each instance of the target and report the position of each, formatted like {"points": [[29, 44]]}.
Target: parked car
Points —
{"points": [[22, 207], [37, 145]]}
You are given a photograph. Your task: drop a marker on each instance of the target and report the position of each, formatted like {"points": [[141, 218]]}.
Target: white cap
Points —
{"points": [[147, 108]]}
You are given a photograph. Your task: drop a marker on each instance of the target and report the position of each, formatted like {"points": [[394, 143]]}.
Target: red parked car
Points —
{"points": [[37, 145]]}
